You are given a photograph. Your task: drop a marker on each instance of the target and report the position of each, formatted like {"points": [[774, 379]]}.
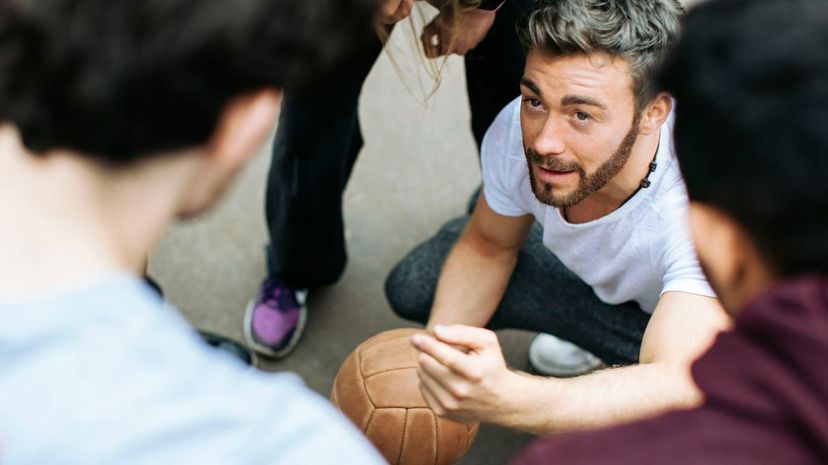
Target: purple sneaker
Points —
{"points": [[274, 321]]}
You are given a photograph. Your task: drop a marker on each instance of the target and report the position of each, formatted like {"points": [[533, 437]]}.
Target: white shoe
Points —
{"points": [[552, 356]]}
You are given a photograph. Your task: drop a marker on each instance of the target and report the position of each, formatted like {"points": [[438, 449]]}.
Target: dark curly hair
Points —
{"points": [[750, 79], [121, 79]]}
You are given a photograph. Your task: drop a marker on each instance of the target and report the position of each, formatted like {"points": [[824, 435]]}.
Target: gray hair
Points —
{"points": [[640, 31]]}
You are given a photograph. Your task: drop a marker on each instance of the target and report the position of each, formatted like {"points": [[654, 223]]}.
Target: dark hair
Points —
{"points": [[750, 78], [640, 31], [120, 79]]}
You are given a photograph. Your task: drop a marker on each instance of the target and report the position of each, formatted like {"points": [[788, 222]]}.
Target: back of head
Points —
{"points": [[117, 79], [751, 82], [640, 31]]}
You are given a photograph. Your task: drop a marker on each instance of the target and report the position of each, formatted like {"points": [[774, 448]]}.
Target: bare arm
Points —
{"points": [[478, 386], [478, 268], [682, 328]]}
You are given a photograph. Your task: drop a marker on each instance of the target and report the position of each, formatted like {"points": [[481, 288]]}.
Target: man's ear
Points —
{"points": [[731, 261], [243, 125], [655, 113]]}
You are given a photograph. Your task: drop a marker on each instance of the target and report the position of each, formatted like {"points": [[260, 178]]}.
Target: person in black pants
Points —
{"points": [[317, 144]]}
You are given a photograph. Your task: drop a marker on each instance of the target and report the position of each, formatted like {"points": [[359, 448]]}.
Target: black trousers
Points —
{"points": [[319, 138]]}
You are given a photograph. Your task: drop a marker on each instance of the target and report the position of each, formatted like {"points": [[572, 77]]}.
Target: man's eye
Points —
{"points": [[581, 116], [533, 102]]}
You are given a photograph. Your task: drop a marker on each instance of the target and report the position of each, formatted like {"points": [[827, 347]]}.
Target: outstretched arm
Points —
{"points": [[463, 375]]}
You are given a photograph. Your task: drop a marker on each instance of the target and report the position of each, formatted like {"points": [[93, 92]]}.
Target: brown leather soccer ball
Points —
{"points": [[378, 389]]}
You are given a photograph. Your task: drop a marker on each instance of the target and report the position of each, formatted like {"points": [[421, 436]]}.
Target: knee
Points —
{"points": [[408, 294], [411, 285]]}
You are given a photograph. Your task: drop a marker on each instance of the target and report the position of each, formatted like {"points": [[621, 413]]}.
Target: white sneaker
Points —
{"points": [[552, 356]]}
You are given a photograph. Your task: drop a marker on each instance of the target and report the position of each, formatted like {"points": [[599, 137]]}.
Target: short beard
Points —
{"points": [[589, 183]]}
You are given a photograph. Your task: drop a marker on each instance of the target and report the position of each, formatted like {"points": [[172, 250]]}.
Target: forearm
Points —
{"points": [[471, 285], [612, 396]]}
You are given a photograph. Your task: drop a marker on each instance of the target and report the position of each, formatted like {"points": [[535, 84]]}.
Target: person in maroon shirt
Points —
{"points": [[750, 80]]}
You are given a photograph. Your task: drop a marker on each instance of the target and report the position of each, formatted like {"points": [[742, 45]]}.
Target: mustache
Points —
{"points": [[552, 163]]}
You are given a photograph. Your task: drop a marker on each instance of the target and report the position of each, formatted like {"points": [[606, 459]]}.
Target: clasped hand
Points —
{"points": [[456, 31], [463, 375], [449, 32], [394, 11]]}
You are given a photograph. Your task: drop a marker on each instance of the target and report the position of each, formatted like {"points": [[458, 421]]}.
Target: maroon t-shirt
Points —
{"points": [[766, 388]]}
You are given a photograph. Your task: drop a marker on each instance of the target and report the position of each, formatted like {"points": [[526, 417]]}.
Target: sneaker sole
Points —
{"points": [[559, 371], [263, 349], [209, 338]]}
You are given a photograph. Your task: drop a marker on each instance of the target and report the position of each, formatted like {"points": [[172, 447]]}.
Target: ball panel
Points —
{"points": [[387, 355], [395, 388], [453, 440], [390, 334], [349, 393], [419, 445], [385, 430]]}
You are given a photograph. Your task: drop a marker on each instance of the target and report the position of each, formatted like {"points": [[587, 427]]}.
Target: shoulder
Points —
{"points": [[669, 202], [505, 174], [507, 120], [503, 136], [668, 224], [128, 356], [672, 252]]}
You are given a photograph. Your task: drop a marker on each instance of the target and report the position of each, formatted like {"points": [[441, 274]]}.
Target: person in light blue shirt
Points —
{"points": [[106, 373], [116, 118]]}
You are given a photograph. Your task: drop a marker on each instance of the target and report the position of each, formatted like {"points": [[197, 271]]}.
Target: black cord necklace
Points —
{"points": [[645, 181]]}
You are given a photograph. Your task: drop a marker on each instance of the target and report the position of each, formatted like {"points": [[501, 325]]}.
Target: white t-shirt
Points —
{"points": [[635, 253], [109, 374]]}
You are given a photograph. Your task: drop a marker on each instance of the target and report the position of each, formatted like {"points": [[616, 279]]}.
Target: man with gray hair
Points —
{"points": [[586, 151]]}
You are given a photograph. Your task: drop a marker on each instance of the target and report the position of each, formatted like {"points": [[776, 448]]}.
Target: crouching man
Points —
{"points": [[750, 83], [586, 151]]}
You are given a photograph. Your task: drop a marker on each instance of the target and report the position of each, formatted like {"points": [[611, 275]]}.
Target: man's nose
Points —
{"points": [[550, 139]]}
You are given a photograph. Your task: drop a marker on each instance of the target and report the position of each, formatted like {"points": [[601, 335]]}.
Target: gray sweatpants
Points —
{"points": [[543, 295]]}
